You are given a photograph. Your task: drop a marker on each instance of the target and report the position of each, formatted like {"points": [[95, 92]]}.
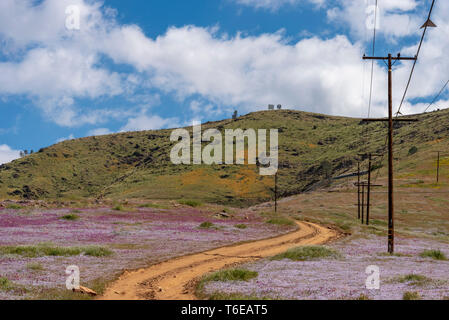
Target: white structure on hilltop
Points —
{"points": [[271, 107]]}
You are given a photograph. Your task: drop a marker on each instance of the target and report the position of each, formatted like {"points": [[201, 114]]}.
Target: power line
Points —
{"points": [[426, 25], [372, 62], [437, 96]]}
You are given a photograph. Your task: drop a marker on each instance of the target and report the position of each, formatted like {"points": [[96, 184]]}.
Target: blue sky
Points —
{"points": [[136, 65]]}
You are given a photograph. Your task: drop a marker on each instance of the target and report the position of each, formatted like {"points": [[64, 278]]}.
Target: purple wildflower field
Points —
{"points": [[137, 238], [345, 278]]}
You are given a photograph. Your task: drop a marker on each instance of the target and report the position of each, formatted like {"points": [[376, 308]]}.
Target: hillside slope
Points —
{"points": [[312, 148]]}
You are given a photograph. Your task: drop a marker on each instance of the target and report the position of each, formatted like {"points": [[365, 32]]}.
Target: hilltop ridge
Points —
{"points": [[312, 149]]}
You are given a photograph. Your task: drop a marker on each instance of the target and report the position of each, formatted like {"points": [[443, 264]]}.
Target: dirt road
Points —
{"points": [[175, 279]]}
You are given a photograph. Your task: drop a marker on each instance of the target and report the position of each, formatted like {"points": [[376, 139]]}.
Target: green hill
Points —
{"points": [[312, 149]]}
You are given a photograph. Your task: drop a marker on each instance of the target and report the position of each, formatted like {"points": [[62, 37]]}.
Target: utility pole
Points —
{"points": [[363, 202], [358, 189], [369, 190], [368, 200], [369, 186], [276, 193], [438, 167], [390, 120]]}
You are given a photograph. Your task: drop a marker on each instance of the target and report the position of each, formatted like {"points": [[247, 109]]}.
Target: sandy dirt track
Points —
{"points": [[175, 279]]}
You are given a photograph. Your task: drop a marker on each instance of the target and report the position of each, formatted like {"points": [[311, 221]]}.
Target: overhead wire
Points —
{"points": [[409, 81], [437, 96], [416, 60], [372, 62]]}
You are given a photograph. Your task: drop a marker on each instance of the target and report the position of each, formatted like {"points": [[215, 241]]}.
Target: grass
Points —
{"points": [[224, 275], [191, 203], [414, 279], [207, 225], [14, 207], [8, 286], [411, 295], [231, 275], [70, 217], [434, 254], [281, 221], [153, 205], [44, 293], [135, 164], [240, 226], [345, 226], [5, 284], [307, 253], [378, 222], [118, 207], [35, 266], [48, 250]]}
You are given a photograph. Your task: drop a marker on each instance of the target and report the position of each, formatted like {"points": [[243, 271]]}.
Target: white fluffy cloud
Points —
{"points": [[247, 72], [393, 17], [7, 154], [52, 65], [99, 132], [70, 137], [145, 122], [55, 66]]}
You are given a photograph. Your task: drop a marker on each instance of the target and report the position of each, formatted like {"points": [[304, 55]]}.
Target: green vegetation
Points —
{"points": [[281, 221], [434, 254], [70, 217], [414, 280], [411, 295], [240, 226], [9, 286], [191, 203], [137, 164], [153, 205], [231, 275], [35, 266], [5, 284], [45, 293], [48, 250], [207, 225], [308, 253], [14, 207], [118, 207], [225, 275], [412, 150]]}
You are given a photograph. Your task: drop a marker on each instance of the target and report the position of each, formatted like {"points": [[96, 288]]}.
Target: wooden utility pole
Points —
{"points": [[369, 190], [369, 185], [362, 206], [438, 167], [363, 202], [276, 193], [358, 189], [390, 120]]}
